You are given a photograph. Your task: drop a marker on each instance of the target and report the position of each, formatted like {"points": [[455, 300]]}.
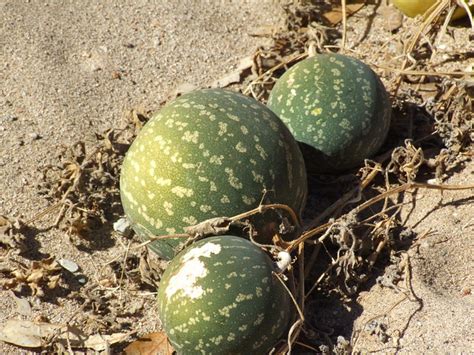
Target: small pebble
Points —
{"points": [[34, 136], [122, 225], [82, 280], [69, 265], [8, 118]]}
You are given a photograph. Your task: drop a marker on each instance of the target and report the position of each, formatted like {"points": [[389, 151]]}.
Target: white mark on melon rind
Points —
{"points": [[190, 271], [182, 191]]}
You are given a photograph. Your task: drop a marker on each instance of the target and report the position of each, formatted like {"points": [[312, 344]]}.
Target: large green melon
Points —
{"points": [[220, 296], [206, 154], [336, 107]]}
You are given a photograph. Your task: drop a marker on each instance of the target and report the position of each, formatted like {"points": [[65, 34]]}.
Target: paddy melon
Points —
{"points": [[209, 153], [413, 8], [336, 107], [220, 296]]}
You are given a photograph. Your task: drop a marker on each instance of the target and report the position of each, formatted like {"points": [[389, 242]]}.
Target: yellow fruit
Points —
{"points": [[413, 8]]}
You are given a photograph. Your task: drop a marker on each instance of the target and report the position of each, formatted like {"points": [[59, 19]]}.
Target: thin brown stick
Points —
{"points": [[296, 327], [425, 73], [263, 208], [344, 26]]}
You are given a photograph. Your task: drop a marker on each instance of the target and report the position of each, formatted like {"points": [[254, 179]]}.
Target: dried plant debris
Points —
{"points": [[84, 187], [29, 334], [138, 271], [105, 307], [37, 278], [151, 344], [11, 234]]}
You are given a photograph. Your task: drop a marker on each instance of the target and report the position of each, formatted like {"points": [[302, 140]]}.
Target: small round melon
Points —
{"points": [[207, 154], [220, 296], [414, 8], [336, 107]]}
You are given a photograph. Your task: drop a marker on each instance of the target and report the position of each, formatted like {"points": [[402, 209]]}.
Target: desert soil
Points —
{"points": [[72, 69]]}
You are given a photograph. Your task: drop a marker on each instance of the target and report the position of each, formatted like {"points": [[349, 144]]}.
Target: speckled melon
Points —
{"points": [[206, 154], [336, 107], [219, 296]]}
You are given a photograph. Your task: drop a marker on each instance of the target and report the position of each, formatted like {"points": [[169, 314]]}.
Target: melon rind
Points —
{"points": [[220, 296], [336, 107], [207, 154]]}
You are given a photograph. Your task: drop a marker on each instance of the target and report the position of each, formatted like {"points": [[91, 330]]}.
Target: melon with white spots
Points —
{"points": [[336, 107], [221, 296], [207, 154]]}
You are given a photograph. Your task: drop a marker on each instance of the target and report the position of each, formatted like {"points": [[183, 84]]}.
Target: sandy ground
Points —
{"points": [[60, 68], [74, 69]]}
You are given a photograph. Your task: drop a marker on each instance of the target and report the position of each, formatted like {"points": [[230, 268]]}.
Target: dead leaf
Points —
{"points": [[11, 235], [212, 226], [335, 15], [150, 344], [226, 80], [28, 334], [23, 307], [393, 19], [41, 274], [235, 76], [99, 342]]}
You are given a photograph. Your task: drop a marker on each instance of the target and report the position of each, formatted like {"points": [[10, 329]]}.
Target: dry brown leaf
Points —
{"points": [[11, 235], [41, 274], [29, 334], [393, 19], [235, 76], [151, 344], [33, 335], [100, 342], [22, 304], [335, 15]]}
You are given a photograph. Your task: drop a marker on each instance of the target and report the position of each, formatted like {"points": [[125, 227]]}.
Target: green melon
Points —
{"points": [[220, 296], [206, 154], [336, 107]]}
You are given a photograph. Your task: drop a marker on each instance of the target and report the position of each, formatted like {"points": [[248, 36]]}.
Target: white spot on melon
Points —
{"points": [[192, 269], [216, 159], [161, 181], [259, 319], [182, 191], [168, 208], [205, 208], [317, 111], [240, 147], [191, 137], [222, 128], [241, 297], [191, 220]]}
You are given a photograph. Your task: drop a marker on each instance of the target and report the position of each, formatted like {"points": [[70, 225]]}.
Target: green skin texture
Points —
{"points": [[336, 107], [207, 154], [237, 306]]}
